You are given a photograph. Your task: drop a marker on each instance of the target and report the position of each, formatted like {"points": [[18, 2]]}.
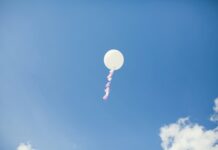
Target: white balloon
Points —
{"points": [[113, 59]]}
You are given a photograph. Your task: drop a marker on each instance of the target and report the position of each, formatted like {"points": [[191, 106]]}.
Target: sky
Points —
{"points": [[52, 74]]}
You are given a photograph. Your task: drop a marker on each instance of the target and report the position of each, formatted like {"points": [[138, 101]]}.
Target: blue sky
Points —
{"points": [[52, 73]]}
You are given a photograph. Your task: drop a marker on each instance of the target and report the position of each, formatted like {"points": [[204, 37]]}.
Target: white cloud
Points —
{"points": [[214, 117], [185, 135], [23, 146]]}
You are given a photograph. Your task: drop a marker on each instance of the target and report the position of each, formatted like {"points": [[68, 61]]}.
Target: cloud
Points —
{"points": [[214, 117], [23, 146], [185, 135]]}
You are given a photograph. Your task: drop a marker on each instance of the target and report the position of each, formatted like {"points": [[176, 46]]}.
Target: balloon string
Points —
{"points": [[107, 86]]}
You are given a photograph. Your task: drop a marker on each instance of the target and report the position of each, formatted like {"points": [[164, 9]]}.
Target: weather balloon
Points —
{"points": [[113, 60]]}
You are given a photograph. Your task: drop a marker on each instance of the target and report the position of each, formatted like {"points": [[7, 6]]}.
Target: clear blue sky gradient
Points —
{"points": [[52, 74]]}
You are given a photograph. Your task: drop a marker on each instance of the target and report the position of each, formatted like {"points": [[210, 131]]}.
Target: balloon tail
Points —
{"points": [[107, 86]]}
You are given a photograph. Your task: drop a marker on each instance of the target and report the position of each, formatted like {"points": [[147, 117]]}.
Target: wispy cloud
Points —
{"points": [[214, 117], [23, 146], [185, 135]]}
